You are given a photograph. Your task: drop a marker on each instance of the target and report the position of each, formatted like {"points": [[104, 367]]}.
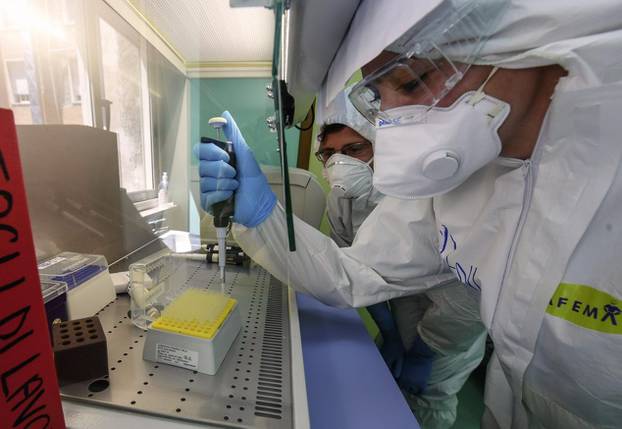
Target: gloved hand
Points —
{"points": [[417, 367], [254, 200], [392, 350]]}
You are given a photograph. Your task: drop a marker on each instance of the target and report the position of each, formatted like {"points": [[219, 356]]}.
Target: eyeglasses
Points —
{"points": [[362, 150]]}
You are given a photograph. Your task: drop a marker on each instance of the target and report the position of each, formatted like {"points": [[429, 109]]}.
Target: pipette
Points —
{"points": [[223, 211]]}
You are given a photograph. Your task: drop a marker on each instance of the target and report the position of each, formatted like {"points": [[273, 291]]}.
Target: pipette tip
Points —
{"points": [[222, 279]]}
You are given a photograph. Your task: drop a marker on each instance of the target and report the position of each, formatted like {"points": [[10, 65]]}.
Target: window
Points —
{"points": [[72, 82], [18, 82], [79, 62], [43, 74], [69, 8], [9, 19], [125, 87]]}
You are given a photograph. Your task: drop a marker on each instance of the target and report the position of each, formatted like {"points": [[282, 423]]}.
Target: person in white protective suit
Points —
{"points": [[344, 147], [499, 122], [448, 318]]}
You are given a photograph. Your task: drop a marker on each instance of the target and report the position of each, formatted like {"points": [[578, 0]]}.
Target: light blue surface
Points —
{"points": [[348, 384]]}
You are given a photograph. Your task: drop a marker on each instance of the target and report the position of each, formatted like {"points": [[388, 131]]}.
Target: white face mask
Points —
{"points": [[352, 175], [352, 196], [433, 157]]}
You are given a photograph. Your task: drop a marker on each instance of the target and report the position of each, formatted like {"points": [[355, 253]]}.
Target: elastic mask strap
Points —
{"points": [[480, 94], [499, 108]]}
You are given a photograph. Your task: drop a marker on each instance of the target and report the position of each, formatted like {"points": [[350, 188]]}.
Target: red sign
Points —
{"points": [[29, 394]]}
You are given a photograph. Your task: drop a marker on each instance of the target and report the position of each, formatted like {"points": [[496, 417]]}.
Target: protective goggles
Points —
{"points": [[433, 60]]}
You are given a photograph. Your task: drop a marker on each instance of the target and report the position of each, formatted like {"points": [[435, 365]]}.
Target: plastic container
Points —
{"points": [[154, 282], [55, 300], [195, 331], [88, 281], [72, 268]]}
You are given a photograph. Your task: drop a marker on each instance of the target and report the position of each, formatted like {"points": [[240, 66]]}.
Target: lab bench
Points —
{"points": [[330, 375]]}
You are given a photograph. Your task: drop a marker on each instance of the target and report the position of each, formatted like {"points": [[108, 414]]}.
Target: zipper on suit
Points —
{"points": [[528, 179]]}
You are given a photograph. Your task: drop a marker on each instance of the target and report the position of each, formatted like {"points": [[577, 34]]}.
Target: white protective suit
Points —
{"points": [[447, 319], [539, 239]]}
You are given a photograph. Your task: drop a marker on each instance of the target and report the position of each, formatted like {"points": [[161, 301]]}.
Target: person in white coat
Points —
{"points": [[344, 147], [514, 184], [430, 376]]}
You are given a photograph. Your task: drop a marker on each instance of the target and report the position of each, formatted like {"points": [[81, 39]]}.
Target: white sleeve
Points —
{"points": [[394, 254]]}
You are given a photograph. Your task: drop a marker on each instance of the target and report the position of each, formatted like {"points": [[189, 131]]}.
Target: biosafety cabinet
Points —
{"points": [[260, 382]]}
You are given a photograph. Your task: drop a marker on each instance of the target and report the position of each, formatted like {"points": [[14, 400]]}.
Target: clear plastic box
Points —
{"points": [[154, 282], [51, 289], [72, 268], [89, 285]]}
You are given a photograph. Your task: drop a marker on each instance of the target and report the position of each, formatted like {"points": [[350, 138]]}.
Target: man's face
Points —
{"points": [[348, 142]]}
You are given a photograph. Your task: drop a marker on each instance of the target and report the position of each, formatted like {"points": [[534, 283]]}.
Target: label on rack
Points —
{"points": [[177, 356]]}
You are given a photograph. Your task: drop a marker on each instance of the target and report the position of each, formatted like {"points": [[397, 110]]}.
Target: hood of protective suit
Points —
{"points": [[585, 37], [341, 111]]}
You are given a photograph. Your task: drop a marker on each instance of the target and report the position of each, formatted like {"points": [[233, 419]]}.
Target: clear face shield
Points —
{"points": [[432, 62]]}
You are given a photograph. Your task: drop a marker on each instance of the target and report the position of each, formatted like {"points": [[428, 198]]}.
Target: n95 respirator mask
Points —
{"points": [[437, 154]]}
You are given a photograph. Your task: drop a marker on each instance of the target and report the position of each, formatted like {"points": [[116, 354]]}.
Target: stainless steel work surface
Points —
{"points": [[253, 387]]}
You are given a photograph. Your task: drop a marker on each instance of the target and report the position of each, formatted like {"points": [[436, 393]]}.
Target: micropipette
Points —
{"points": [[223, 211]]}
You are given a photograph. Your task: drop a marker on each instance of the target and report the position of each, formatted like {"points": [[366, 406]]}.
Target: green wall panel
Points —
{"points": [[247, 101]]}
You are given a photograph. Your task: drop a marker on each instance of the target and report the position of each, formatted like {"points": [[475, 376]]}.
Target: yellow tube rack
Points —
{"points": [[196, 312]]}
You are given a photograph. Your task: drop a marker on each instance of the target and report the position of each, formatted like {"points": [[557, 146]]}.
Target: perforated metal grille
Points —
{"points": [[253, 385], [270, 380]]}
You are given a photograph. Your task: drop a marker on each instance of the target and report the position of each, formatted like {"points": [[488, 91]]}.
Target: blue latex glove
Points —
{"points": [[254, 200], [392, 350], [417, 367]]}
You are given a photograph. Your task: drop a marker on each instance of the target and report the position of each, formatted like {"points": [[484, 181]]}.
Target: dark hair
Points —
{"points": [[328, 129]]}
